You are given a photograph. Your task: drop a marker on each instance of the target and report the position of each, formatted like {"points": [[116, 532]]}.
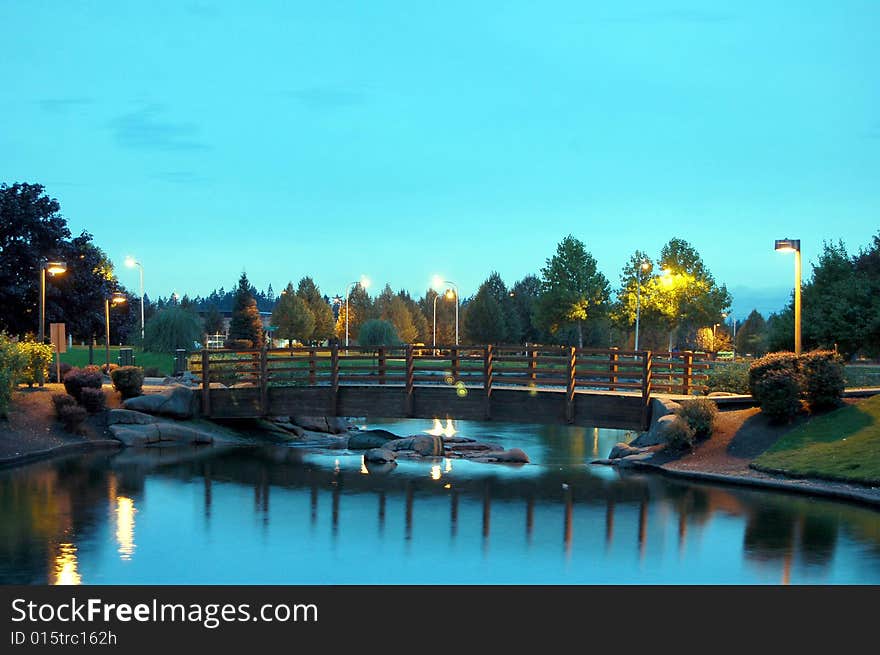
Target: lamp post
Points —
{"points": [[794, 245], [131, 262], [438, 282], [54, 268], [364, 282], [117, 298], [643, 266]]}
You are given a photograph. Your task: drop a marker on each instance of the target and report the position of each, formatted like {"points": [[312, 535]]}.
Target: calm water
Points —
{"points": [[278, 514]]}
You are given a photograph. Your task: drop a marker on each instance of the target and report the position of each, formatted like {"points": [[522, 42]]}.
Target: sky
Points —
{"points": [[400, 140]]}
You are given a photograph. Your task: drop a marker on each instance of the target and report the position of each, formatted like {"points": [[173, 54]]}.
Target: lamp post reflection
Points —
{"points": [[66, 566]]}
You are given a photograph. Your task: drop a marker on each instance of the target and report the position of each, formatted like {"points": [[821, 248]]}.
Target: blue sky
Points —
{"points": [[402, 139]]}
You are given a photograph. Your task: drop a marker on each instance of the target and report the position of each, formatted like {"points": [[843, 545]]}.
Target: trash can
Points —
{"points": [[126, 357], [179, 361]]}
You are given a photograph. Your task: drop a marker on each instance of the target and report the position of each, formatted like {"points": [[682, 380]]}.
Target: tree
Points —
{"points": [[751, 337], [359, 307], [780, 330], [420, 323], [445, 318], [31, 229], [377, 332], [245, 324], [572, 289], [484, 318], [172, 328], [293, 317], [524, 300], [213, 320], [867, 268], [320, 308], [631, 300], [512, 327], [392, 308]]}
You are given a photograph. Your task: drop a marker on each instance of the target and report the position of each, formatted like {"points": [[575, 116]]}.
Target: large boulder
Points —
{"points": [[656, 434], [512, 456], [370, 439], [621, 449], [379, 455], [422, 444], [338, 424], [313, 423], [176, 402], [128, 417], [146, 434]]}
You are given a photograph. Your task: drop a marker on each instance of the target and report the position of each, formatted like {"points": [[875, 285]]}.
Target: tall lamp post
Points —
{"points": [[794, 245], [364, 282], [643, 266], [438, 282], [53, 268], [117, 298], [131, 262]]}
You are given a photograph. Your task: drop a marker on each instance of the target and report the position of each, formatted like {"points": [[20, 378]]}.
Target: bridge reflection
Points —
{"points": [[55, 512]]}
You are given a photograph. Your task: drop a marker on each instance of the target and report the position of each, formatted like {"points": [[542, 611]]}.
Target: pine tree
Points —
{"points": [[245, 324]]}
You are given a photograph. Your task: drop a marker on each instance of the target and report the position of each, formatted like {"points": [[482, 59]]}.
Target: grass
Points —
{"points": [[79, 356], [862, 375], [841, 445]]}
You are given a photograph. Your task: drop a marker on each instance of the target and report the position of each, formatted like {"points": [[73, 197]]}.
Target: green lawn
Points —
{"points": [[841, 445], [79, 356]]}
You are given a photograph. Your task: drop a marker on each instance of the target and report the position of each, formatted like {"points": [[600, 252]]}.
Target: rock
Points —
{"points": [[128, 417], [470, 447], [280, 419], [177, 402], [512, 456], [379, 455], [632, 460], [338, 424], [338, 442], [370, 439], [314, 423], [621, 449], [721, 394], [135, 434], [427, 445], [404, 443], [145, 434], [378, 469], [656, 435]]}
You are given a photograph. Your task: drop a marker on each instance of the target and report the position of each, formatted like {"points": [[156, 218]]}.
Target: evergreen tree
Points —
{"points": [[292, 317], [320, 308], [213, 320], [484, 318], [751, 337], [245, 324]]}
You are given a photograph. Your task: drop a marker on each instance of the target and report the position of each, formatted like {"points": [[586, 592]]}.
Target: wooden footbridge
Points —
{"points": [[580, 386]]}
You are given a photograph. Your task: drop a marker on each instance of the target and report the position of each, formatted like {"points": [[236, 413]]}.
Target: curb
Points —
{"points": [[808, 488], [64, 449]]}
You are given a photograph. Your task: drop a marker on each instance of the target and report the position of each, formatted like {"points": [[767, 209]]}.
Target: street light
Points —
{"points": [[794, 245], [643, 266], [131, 262], [117, 298], [364, 282], [439, 282], [53, 268]]}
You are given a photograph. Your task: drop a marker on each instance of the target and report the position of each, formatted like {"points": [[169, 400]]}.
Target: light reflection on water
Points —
{"points": [[282, 515]]}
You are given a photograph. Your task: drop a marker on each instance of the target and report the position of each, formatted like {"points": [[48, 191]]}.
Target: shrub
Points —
{"points": [[72, 416], [823, 378], [61, 400], [65, 369], [785, 362], [152, 372], [238, 344], [93, 400], [732, 378], [679, 436], [92, 368], [377, 332], [108, 369], [78, 379], [12, 363], [128, 381], [37, 357], [172, 328], [778, 394], [700, 415]]}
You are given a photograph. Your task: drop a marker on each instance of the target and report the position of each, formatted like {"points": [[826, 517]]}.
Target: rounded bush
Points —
{"points": [[60, 400], [700, 415], [679, 436], [784, 362], [128, 381], [78, 379], [778, 394], [732, 378], [823, 378], [38, 356], [72, 417], [93, 400], [65, 369]]}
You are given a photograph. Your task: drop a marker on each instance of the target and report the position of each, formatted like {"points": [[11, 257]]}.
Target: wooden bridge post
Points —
{"points": [[206, 383], [334, 378], [313, 366], [264, 381], [647, 364], [533, 363], [688, 373], [570, 385], [455, 362], [410, 381], [488, 378], [381, 365], [613, 368]]}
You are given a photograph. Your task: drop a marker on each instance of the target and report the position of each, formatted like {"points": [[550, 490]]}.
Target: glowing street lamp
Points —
{"points": [[794, 245], [118, 298], [53, 268], [643, 266], [438, 283], [131, 262], [364, 282]]}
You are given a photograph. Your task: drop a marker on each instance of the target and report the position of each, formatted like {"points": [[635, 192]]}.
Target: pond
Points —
{"points": [[278, 514]]}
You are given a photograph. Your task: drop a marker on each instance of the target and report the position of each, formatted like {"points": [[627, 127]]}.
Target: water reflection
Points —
{"points": [[63, 521]]}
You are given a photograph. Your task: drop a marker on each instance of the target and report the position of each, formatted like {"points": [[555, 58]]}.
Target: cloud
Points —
{"points": [[326, 98], [146, 129], [63, 105]]}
